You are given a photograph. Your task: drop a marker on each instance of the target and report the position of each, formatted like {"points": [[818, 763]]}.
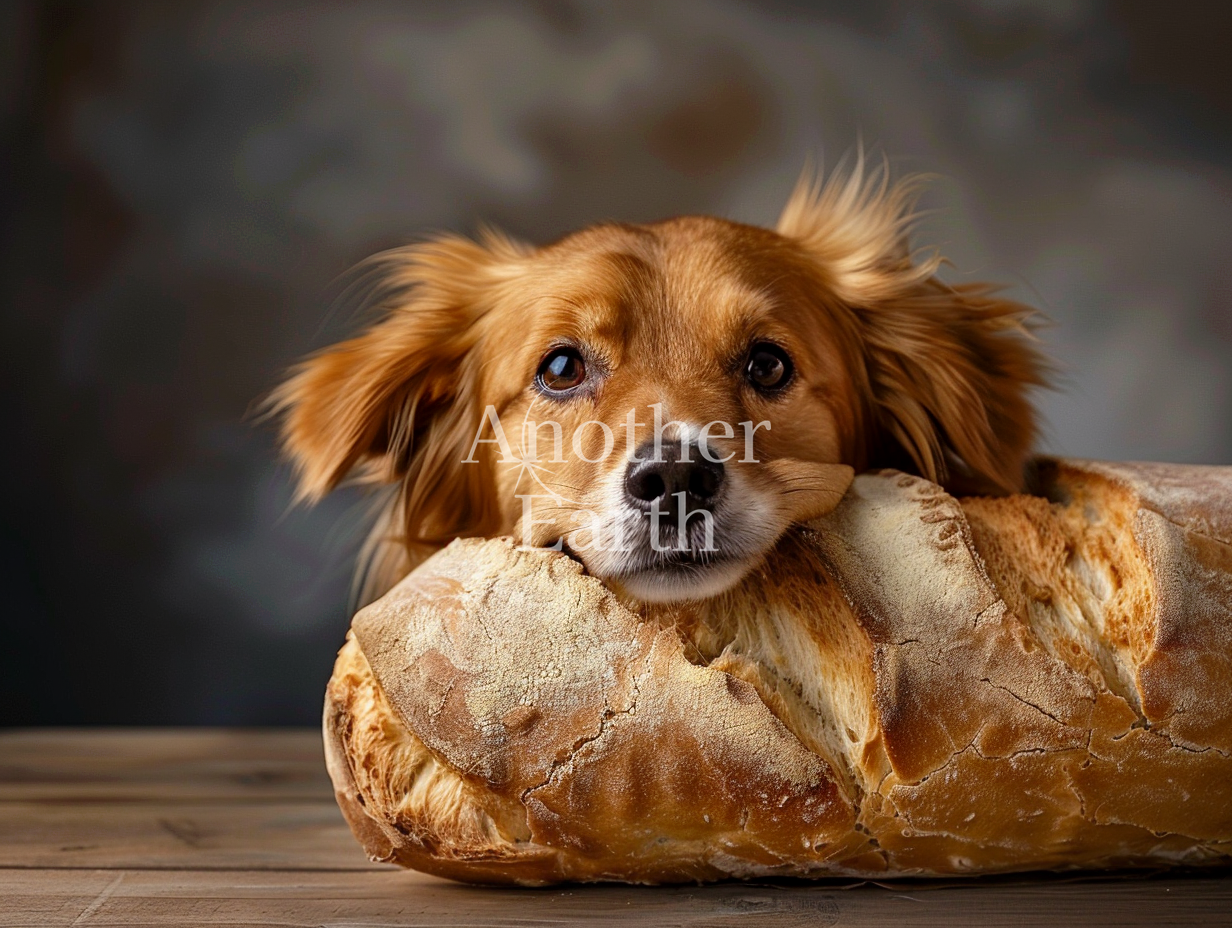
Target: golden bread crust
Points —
{"points": [[912, 685]]}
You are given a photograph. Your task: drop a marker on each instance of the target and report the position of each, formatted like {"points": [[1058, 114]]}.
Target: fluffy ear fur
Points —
{"points": [[946, 370], [398, 403]]}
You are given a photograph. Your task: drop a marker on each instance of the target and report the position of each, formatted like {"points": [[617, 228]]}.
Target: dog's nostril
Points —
{"points": [[646, 484], [704, 481]]}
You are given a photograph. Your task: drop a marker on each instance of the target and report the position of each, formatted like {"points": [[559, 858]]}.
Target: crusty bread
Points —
{"points": [[911, 685]]}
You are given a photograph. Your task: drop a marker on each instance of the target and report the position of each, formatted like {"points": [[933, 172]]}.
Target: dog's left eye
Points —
{"points": [[561, 370], [769, 367]]}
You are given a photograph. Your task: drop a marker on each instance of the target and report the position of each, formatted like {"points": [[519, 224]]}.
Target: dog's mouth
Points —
{"points": [[695, 566], [662, 556], [680, 575], [668, 575]]}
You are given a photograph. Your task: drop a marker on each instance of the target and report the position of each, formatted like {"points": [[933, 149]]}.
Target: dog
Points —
{"points": [[664, 400]]}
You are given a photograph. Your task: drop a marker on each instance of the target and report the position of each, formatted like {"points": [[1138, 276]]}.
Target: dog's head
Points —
{"points": [[664, 400]]}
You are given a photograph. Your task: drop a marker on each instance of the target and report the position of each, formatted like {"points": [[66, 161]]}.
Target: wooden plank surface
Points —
{"points": [[240, 828], [130, 898], [164, 835], [112, 765]]}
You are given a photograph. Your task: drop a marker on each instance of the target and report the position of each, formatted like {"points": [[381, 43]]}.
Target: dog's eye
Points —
{"points": [[560, 370], [769, 369]]}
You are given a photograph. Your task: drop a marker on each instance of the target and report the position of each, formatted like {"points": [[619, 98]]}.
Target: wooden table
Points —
{"points": [[208, 827]]}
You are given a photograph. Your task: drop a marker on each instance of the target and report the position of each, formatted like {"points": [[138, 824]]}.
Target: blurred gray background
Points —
{"points": [[182, 182]]}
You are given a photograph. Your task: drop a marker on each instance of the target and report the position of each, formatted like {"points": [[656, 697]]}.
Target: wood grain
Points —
{"points": [[130, 898], [201, 765], [163, 835], [218, 828]]}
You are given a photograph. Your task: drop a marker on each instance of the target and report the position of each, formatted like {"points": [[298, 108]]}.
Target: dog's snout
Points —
{"points": [[657, 482]]}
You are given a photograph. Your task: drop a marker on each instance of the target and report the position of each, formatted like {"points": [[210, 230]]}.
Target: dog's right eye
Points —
{"points": [[561, 370], [769, 367]]}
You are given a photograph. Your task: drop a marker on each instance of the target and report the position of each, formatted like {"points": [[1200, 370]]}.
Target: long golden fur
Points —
{"points": [[893, 368]]}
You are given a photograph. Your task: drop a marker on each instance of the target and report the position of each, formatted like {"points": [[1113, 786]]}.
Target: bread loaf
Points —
{"points": [[911, 685]]}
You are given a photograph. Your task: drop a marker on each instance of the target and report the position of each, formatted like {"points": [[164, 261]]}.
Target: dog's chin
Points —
{"points": [[676, 581], [705, 565]]}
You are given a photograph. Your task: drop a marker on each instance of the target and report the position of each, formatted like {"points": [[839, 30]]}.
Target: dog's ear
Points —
{"points": [[945, 371], [398, 403], [950, 370]]}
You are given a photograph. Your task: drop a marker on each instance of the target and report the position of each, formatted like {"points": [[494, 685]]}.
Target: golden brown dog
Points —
{"points": [[663, 400]]}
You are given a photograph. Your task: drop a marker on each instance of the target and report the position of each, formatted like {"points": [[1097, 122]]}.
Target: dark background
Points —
{"points": [[181, 182]]}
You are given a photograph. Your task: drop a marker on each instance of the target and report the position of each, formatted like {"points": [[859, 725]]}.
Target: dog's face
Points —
{"points": [[649, 379], [662, 401]]}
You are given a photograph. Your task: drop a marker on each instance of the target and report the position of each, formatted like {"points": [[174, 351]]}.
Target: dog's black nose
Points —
{"points": [[651, 483]]}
